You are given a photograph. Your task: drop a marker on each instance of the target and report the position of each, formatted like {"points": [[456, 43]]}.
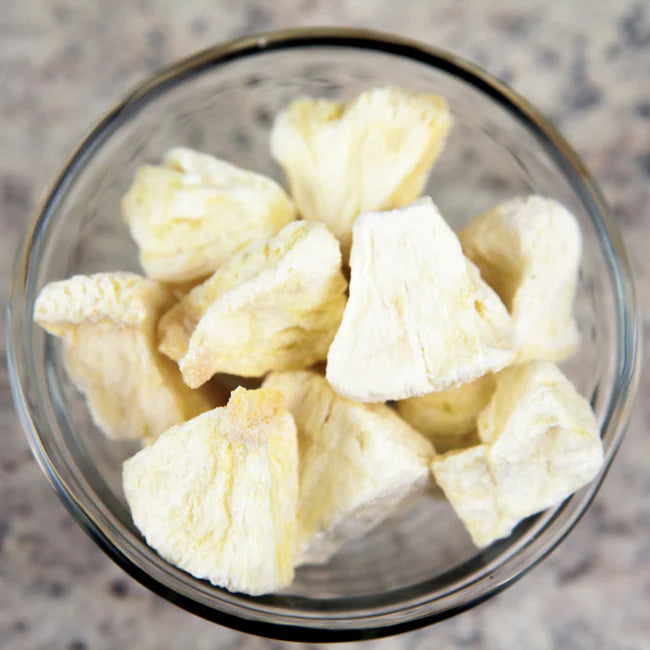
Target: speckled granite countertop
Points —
{"points": [[585, 64]]}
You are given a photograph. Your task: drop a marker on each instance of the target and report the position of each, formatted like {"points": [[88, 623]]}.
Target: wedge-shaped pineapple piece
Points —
{"points": [[543, 436], [540, 443], [357, 462], [192, 213], [528, 250], [217, 495], [464, 476], [108, 323], [419, 318], [275, 305], [448, 417], [371, 154]]}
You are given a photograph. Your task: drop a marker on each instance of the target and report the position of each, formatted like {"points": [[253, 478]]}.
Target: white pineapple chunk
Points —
{"points": [[357, 463], [193, 212], [419, 318], [275, 305], [465, 478], [216, 496], [528, 250], [543, 436], [374, 153], [540, 443], [108, 323]]}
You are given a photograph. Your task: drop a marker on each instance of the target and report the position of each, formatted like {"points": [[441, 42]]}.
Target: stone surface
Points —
{"points": [[585, 64]]}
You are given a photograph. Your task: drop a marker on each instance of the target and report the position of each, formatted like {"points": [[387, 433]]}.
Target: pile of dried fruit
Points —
{"points": [[461, 331]]}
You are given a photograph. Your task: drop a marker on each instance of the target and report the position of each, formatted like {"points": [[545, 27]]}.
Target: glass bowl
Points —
{"points": [[419, 566]]}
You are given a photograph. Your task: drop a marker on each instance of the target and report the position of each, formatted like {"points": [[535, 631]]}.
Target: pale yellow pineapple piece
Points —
{"points": [[275, 305], [374, 153], [543, 436], [108, 323], [419, 318], [217, 495], [528, 250], [540, 443], [357, 463], [448, 417], [464, 476], [193, 212]]}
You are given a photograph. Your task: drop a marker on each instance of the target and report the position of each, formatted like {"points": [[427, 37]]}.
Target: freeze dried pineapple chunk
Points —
{"points": [[543, 436], [193, 212], [371, 154], [108, 323], [275, 305], [357, 462], [419, 318], [448, 417], [528, 250], [464, 476], [217, 495], [540, 443]]}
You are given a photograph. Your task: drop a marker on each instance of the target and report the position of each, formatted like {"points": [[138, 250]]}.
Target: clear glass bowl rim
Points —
{"points": [[419, 611]]}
